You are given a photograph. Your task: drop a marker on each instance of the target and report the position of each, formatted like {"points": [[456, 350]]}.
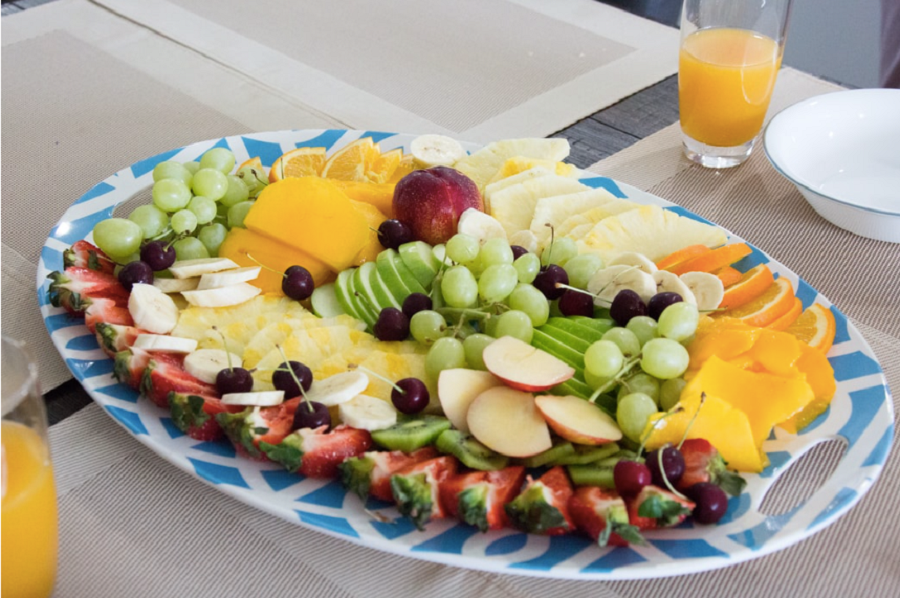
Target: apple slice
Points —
{"points": [[578, 420], [457, 388], [524, 367], [508, 422]]}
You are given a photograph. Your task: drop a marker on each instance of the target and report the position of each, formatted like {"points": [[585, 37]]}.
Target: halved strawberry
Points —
{"points": [[111, 311], [479, 498], [129, 366], [249, 427], [113, 338], [76, 287], [703, 463], [84, 255], [602, 515], [416, 489], [316, 453], [195, 415], [370, 474], [654, 507], [543, 506], [164, 374]]}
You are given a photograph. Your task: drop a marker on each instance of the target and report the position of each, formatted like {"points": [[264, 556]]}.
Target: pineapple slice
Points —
{"points": [[556, 209], [531, 173], [649, 230], [520, 164], [395, 366], [484, 164], [514, 206], [579, 225], [275, 334]]}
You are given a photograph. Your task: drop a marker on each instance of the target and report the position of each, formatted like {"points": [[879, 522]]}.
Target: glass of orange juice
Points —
{"points": [[29, 524], [729, 58]]}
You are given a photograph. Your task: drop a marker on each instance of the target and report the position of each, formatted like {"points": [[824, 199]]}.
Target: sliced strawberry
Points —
{"points": [[654, 508], [602, 515], [543, 506], [164, 374], [113, 338], [703, 463], [111, 311], [370, 474], [76, 287], [479, 498], [84, 255], [416, 489], [195, 415], [129, 366], [316, 453], [248, 428]]}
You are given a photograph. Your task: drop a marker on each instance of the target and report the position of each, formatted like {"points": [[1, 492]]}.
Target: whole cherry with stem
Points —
{"points": [[409, 395], [297, 283]]}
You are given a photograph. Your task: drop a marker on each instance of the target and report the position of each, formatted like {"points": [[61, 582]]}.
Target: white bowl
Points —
{"points": [[842, 151]]}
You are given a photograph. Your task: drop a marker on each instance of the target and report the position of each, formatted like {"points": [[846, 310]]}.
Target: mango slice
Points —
{"points": [[820, 376], [380, 195], [776, 352], [373, 246], [725, 338]]}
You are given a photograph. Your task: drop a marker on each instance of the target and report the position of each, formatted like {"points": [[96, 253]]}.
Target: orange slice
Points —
{"points": [[753, 283], [300, 162], [353, 161], [728, 276], [691, 251], [815, 327], [383, 168], [407, 165], [713, 260], [254, 162], [788, 318], [776, 301]]}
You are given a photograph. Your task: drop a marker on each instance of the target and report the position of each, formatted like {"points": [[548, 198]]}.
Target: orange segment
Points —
{"points": [[300, 162], [728, 276], [353, 161], [713, 260], [724, 338], [254, 162], [815, 327], [407, 165], [768, 307], [820, 377], [753, 283], [691, 251], [788, 318], [384, 166]]}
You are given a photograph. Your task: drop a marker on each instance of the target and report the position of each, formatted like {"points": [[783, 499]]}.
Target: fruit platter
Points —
{"points": [[479, 356]]}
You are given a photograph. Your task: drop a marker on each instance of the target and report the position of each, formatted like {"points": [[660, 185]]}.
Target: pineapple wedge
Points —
{"points": [[514, 206], [276, 333], [578, 225], [554, 210], [531, 173], [520, 164], [484, 164]]}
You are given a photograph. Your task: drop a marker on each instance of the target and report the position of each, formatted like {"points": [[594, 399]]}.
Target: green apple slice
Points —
{"points": [[362, 280], [579, 342], [574, 387], [343, 293], [364, 303], [406, 275], [325, 303], [387, 271], [545, 342], [419, 258], [581, 328], [382, 294]]}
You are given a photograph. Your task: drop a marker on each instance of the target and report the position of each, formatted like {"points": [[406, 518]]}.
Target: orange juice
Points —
{"points": [[29, 526], [725, 82]]}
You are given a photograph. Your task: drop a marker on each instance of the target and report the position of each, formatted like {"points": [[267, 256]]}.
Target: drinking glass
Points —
{"points": [[29, 520], [729, 58]]}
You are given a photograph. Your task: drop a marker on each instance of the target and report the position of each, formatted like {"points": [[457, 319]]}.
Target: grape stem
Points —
{"points": [[294, 376], [617, 379], [354, 366], [452, 312]]}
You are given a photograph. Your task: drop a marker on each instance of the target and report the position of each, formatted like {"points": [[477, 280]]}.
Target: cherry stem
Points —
{"points": [[262, 265], [560, 285], [662, 471], [653, 428], [290, 370], [552, 240], [225, 345], [693, 419], [609, 384], [354, 366]]}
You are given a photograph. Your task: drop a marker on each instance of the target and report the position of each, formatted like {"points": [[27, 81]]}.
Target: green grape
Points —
{"points": [[497, 282], [218, 158], [170, 195], [581, 268], [495, 251], [626, 340], [210, 183], [427, 326], [118, 236], [474, 346], [632, 414], [125, 259], [151, 219], [603, 359], [212, 236], [490, 326], [527, 267], [446, 353], [515, 323], [236, 192], [184, 221], [528, 299], [192, 167], [221, 211], [555, 311], [462, 248], [203, 208], [643, 327], [643, 383], [172, 170], [670, 392], [593, 381], [190, 248], [678, 321], [559, 252], [254, 179], [237, 213], [664, 358], [459, 287]]}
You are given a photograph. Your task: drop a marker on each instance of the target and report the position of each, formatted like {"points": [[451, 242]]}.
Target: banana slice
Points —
{"points": [[223, 296], [667, 282], [165, 343], [175, 285], [338, 388], [607, 283], [526, 239], [436, 150], [226, 278], [707, 288], [476, 223], [151, 309], [631, 258], [367, 413], [262, 398], [198, 267], [205, 364]]}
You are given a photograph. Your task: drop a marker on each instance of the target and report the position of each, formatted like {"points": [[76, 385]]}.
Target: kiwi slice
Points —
{"points": [[469, 451], [588, 454], [592, 475], [551, 456], [411, 433]]}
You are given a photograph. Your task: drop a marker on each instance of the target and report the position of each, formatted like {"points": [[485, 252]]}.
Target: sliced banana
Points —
{"points": [[607, 283], [165, 343], [667, 282], [476, 223], [436, 150], [223, 296], [176, 285], [151, 309], [707, 288], [262, 398], [631, 258], [205, 364], [525, 239], [338, 388], [198, 267], [226, 278], [367, 413]]}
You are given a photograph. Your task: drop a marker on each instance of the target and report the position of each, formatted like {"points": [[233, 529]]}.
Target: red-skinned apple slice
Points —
{"points": [[578, 420], [507, 421], [524, 367], [457, 388]]}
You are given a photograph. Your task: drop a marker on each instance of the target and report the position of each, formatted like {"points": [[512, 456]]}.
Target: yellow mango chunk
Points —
{"points": [[313, 215], [820, 376], [373, 246], [725, 427], [518, 164], [776, 352], [725, 338], [380, 195]]}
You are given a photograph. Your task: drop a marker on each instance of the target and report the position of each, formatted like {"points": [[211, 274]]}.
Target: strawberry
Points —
{"points": [[703, 463], [113, 338], [76, 287], [415, 489], [370, 474], [316, 453], [654, 507], [84, 255], [111, 311], [543, 506], [195, 415], [602, 515], [129, 366], [249, 427], [479, 498], [164, 374]]}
